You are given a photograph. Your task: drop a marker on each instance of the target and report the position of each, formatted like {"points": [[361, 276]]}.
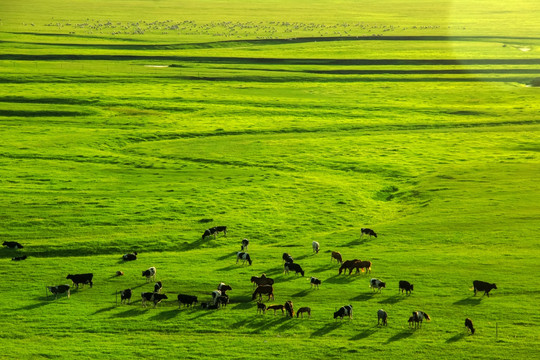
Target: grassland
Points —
{"points": [[126, 125]]}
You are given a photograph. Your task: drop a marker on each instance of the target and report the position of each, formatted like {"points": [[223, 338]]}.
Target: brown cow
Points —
{"points": [[336, 255], [263, 289]]}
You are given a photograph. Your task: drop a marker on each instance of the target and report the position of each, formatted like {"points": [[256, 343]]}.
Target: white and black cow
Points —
{"points": [[157, 287], [382, 316], [367, 231], [344, 311], [215, 296], [244, 256], [187, 300], [150, 274], [81, 279], [315, 282], [417, 318], [244, 246], [125, 295], [153, 297], [315, 246], [483, 286], [214, 231], [377, 284], [224, 288], [59, 289], [405, 286], [129, 257], [12, 245], [294, 267], [287, 258], [19, 258]]}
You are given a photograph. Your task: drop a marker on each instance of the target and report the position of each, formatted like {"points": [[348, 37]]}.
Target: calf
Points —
{"points": [[157, 287], [368, 232], [244, 256], [382, 316], [303, 310], [315, 246], [150, 274], [287, 258], [289, 308], [336, 255], [125, 295], [12, 245], [129, 257], [244, 246], [315, 282], [405, 286], [153, 297], [293, 266], [377, 284], [222, 300], [344, 311], [187, 300], [19, 258], [469, 325], [60, 289], [261, 308], [81, 279], [483, 286], [276, 307]]}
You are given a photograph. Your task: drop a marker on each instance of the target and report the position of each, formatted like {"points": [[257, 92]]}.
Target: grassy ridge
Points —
{"points": [[131, 142]]}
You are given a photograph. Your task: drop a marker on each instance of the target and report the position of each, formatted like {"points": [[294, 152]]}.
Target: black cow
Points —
{"points": [[81, 279], [154, 297], [315, 282], [125, 295], [158, 286], [405, 286], [187, 300], [469, 325], [293, 266], [222, 300], [129, 257], [244, 246], [483, 286], [60, 289], [344, 311], [368, 232], [12, 245], [287, 258], [214, 231], [19, 258]]}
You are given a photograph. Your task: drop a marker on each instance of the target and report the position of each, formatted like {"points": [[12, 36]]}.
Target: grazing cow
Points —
{"points": [[157, 287], [376, 284], [125, 295], [263, 289], [263, 280], [215, 295], [209, 306], [289, 308], [382, 315], [405, 286], [363, 265], [469, 325], [153, 297], [119, 273], [19, 258], [417, 318], [12, 244], [315, 246], [287, 258], [244, 256], [223, 300], [344, 311], [129, 257], [81, 279], [303, 310], [244, 246], [315, 282], [150, 274], [336, 255], [368, 232], [348, 265], [214, 231], [293, 266], [60, 289], [187, 300], [261, 308], [224, 288], [483, 286], [275, 308]]}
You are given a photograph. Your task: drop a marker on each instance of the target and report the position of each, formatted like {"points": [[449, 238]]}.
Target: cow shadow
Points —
{"points": [[104, 310], [203, 313], [166, 315], [392, 300], [43, 301], [302, 293], [340, 279], [400, 336], [131, 313], [364, 334], [364, 297], [228, 256], [244, 302], [328, 328], [455, 338], [230, 267], [469, 301]]}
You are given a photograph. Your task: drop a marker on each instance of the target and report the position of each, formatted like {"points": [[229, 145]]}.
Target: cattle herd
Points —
{"points": [[264, 286]]}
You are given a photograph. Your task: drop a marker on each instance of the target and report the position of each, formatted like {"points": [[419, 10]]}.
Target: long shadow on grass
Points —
{"points": [[302, 293], [231, 255], [341, 279], [165, 315], [104, 310], [364, 297], [392, 300], [131, 312], [364, 334], [244, 302], [400, 336], [327, 329], [469, 301], [455, 338]]}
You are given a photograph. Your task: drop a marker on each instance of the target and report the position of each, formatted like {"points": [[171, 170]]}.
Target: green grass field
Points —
{"points": [[136, 125]]}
